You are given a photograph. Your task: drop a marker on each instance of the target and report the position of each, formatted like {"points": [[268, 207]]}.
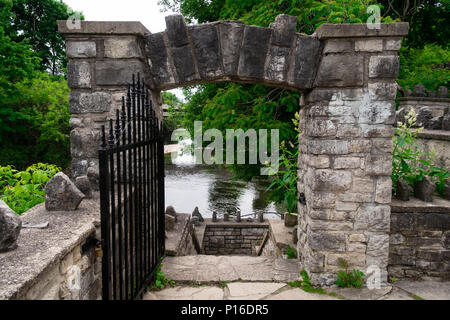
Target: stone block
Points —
{"points": [[284, 28], [382, 145], [278, 64], [348, 131], [206, 50], [176, 30], [81, 49], [158, 60], [360, 146], [382, 91], [396, 238], [353, 259], [117, 72], [384, 67], [84, 143], [338, 45], [346, 206], [327, 147], [255, 46], [321, 225], [424, 189], [370, 45], [363, 185], [78, 74], [356, 197], [84, 185], [326, 241], [393, 45], [306, 58], [357, 237], [377, 112], [331, 180], [373, 218], [340, 71], [184, 64], [323, 200], [320, 128], [346, 162], [383, 193], [378, 165], [122, 47], [95, 102], [442, 92], [230, 43]]}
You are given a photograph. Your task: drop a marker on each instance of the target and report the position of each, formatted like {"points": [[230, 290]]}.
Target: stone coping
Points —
{"points": [[439, 205], [281, 235], [425, 99], [41, 249], [353, 30], [434, 134], [105, 28]]}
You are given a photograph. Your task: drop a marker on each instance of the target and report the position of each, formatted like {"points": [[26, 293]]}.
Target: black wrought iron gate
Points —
{"points": [[131, 165]]}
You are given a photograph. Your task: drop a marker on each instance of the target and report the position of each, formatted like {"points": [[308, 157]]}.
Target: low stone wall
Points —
{"points": [[420, 239], [437, 141], [232, 238], [57, 262]]}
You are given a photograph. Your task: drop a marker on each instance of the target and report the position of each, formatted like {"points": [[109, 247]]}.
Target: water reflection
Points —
{"points": [[211, 188]]}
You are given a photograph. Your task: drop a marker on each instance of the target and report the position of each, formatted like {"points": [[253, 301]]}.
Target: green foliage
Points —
{"points": [[34, 122], [22, 190], [35, 22], [284, 184], [291, 253], [305, 284], [175, 118], [161, 281], [427, 66], [346, 279], [410, 163]]}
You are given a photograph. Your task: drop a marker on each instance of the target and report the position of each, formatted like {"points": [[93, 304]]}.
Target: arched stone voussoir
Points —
{"points": [[231, 51]]}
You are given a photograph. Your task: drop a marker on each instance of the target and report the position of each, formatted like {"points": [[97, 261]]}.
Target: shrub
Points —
{"points": [[22, 190], [346, 279], [410, 163]]}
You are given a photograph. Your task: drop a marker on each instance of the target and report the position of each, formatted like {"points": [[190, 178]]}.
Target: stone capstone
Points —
{"points": [[446, 194], [419, 90], [402, 192], [442, 92], [171, 212], [424, 189], [195, 221], [10, 225], [61, 194]]}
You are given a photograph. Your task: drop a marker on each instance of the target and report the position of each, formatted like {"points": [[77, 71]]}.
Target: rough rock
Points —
{"points": [[290, 219], [435, 123], [61, 194], [424, 189], [170, 222], [419, 90], [197, 213], [442, 92], [84, 185], [10, 225], [402, 190], [424, 116], [171, 212]]}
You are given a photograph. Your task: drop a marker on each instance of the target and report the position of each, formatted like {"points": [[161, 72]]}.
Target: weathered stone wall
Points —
{"points": [[345, 155], [103, 56], [437, 142], [420, 239], [58, 262], [233, 238]]}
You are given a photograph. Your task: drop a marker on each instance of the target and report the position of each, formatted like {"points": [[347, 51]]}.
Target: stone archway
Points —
{"points": [[347, 76]]}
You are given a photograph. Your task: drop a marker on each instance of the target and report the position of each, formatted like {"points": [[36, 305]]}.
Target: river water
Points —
{"points": [[212, 188]]}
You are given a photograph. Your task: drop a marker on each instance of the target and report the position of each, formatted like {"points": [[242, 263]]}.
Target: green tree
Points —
{"points": [[35, 21]]}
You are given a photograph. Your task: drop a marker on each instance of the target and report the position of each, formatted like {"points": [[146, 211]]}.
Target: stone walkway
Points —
{"points": [[204, 277]]}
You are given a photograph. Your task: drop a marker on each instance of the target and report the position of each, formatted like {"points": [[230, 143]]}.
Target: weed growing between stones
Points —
{"points": [[291, 253], [346, 279], [161, 281]]}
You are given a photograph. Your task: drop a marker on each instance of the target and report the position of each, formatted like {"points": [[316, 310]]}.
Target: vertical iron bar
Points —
{"points": [[138, 175], [161, 191], [130, 187], [125, 200], [119, 203], [113, 211], [104, 211]]}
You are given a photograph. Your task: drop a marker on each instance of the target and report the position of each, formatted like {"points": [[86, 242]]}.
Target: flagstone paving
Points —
{"points": [[205, 277]]}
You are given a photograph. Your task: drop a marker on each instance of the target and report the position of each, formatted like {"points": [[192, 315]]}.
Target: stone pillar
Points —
{"points": [[345, 161], [102, 58]]}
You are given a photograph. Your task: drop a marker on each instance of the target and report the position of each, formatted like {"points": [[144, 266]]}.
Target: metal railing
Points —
{"points": [[131, 165]]}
